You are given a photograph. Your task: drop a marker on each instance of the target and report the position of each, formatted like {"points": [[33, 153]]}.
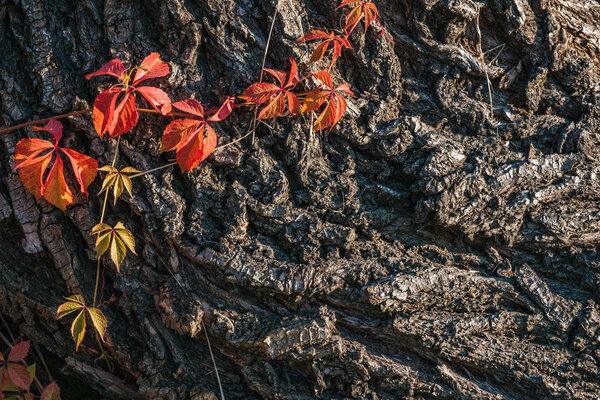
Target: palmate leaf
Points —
{"points": [[118, 180], [193, 139], [114, 109], [363, 9], [13, 374], [275, 96], [118, 239], [32, 158], [335, 104], [77, 303], [337, 42]]}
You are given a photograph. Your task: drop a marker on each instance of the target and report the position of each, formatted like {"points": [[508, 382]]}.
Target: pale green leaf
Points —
{"points": [[108, 182], [78, 329], [127, 238], [67, 308], [102, 243], [130, 170], [99, 321], [127, 184], [76, 298], [117, 189], [100, 228], [117, 251]]}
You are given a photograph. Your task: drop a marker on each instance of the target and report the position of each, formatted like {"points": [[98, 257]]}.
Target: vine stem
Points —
{"points": [[114, 161], [87, 110]]}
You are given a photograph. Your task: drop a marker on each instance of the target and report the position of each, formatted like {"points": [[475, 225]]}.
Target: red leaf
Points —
{"points": [[324, 77], [326, 118], [51, 392], [19, 375], [312, 35], [197, 149], [54, 127], [314, 99], [279, 75], [260, 92], [114, 67], [157, 98], [84, 167], [190, 106], [18, 352], [177, 132], [224, 111], [104, 109], [319, 52], [125, 117], [293, 76], [293, 103], [274, 109], [151, 67]]}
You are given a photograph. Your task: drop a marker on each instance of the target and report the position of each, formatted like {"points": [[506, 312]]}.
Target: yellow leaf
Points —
{"points": [[117, 251], [100, 228], [99, 321], [67, 308], [127, 238], [78, 329], [102, 243]]}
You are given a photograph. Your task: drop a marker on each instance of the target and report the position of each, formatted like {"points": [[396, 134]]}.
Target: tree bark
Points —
{"points": [[423, 249]]}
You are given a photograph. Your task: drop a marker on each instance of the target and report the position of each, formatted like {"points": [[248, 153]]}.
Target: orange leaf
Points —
{"points": [[55, 189], [151, 67], [32, 168], [274, 109]]}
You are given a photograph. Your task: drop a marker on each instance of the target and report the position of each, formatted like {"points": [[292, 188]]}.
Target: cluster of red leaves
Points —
{"points": [[192, 138], [363, 9], [15, 377], [326, 97], [337, 42], [32, 157], [335, 104], [275, 97], [116, 117]]}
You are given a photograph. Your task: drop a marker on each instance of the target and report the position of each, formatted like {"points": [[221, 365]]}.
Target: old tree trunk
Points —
{"points": [[422, 249]]}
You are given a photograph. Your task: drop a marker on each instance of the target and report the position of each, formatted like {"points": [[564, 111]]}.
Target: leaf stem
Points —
{"points": [[72, 114], [153, 170], [114, 161], [43, 121]]}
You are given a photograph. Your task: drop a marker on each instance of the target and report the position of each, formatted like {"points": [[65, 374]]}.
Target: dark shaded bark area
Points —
{"points": [[423, 249]]}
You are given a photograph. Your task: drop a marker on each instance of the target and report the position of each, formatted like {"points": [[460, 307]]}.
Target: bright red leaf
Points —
{"points": [[114, 109], [335, 104], [276, 96], [193, 139], [32, 157], [337, 42], [363, 9]]}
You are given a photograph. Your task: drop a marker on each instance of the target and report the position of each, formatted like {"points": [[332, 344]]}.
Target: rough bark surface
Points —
{"points": [[422, 250]]}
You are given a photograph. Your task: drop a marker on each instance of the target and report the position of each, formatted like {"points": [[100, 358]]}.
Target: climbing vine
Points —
{"points": [[190, 134]]}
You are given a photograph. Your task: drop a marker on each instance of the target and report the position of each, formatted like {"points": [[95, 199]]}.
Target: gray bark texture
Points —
{"points": [[423, 249]]}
